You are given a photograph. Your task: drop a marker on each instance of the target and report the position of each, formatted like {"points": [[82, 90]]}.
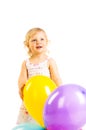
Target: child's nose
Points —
{"points": [[38, 42]]}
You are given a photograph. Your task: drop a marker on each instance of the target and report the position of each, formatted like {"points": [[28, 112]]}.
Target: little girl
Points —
{"points": [[38, 63]]}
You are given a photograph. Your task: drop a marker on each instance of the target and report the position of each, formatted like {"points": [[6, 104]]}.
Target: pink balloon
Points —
{"points": [[65, 108]]}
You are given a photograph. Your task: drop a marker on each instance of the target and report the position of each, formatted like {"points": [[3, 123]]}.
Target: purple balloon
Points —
{"points": [[65, 108]]}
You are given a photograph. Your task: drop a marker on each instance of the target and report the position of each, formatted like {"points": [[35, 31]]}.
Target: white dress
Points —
{"points": [[33, 69]]}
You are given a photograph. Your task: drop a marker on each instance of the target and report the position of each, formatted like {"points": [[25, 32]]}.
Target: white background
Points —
{"points": [[65, 24]]}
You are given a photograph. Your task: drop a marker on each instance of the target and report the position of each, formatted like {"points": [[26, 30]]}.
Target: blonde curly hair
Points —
{"points": [[28, 36]]}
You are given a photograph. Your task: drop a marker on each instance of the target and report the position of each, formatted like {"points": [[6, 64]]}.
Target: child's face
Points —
{"points": [[38, 43]]}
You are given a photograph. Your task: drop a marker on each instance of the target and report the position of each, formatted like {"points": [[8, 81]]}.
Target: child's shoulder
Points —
{"points": [[25, 62], [23, 65], [51, 60]]}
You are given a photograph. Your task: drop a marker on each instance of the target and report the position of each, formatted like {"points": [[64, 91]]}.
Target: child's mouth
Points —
{"points": [[38, 47]]}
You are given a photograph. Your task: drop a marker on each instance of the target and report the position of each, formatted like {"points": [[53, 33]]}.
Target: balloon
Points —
{"points": [[27, 126], [65, 108], [36, 91]]}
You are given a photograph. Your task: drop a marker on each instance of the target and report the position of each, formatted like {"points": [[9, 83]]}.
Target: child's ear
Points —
{"points": [[49, 42]]}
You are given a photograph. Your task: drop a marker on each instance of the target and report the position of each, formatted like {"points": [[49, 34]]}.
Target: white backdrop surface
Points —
{"points": [[65, 24]]}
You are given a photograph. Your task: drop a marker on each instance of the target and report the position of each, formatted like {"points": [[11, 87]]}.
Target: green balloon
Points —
{"points": [[28, 126]]}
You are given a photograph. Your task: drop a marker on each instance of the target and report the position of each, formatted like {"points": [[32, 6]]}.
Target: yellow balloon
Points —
{"points": [[36, 91]]}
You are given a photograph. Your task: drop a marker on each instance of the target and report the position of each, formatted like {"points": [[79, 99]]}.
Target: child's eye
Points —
{"points": [[33, 40], [42, 39]]}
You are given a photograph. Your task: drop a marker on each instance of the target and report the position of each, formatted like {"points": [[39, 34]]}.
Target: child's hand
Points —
{"points": [[21, 93]]}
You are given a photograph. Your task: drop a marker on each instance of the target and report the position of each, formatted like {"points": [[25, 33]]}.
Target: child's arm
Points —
{"points": [[54, 72], [22, 79]]}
